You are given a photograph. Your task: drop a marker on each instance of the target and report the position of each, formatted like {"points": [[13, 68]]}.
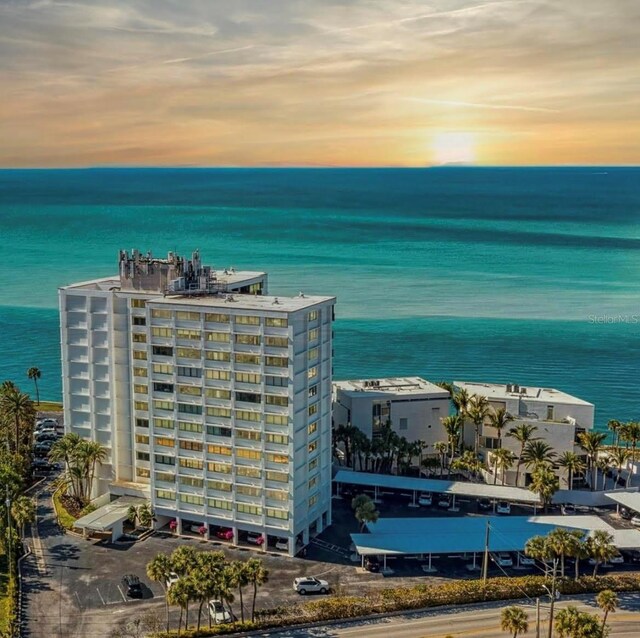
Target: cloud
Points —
{"points": [[485, 105]]}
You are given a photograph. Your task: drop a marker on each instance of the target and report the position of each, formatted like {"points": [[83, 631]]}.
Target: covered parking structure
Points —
{"points": [[454, 489], [630, 500], [108, 518], [426, 537]]}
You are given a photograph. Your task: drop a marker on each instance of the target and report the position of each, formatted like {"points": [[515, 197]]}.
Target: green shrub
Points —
{"points": [[64, 518]]}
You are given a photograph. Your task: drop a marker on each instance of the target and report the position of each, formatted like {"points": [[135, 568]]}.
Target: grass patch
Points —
{"points": [[49, 406], [4, 598], [64, 518]]}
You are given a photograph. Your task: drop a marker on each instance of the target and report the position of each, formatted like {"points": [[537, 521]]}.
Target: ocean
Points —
{"points": [[524, 275]]}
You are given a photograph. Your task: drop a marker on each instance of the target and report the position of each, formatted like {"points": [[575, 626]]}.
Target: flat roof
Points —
{"points": [[401, 536], [439, 486], [628, 499], [244, 302], [105, 517], [391, 385], [499, 391]]}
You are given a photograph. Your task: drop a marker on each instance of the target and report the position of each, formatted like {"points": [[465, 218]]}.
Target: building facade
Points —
{"points": [[212, 399], [557, 416], [412, 406]]}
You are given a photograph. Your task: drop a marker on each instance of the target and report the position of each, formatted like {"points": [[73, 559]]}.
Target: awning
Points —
{"points": [[104, 518], [628, 499]]}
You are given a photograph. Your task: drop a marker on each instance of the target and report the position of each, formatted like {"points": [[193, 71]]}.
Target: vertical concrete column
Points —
{"points": [[207, 536], [235, 535], [179, 526]]}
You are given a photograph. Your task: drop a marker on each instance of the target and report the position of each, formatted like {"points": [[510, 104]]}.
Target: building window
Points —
{"points": [[219, 412], [166, 424], [159, 404], [313, 315], [187, 371], [186, 333], [219, 485], [139, 372], [217, 430], [161, 332], [313, 500], [221, 337], [276, 362], [248, 320], [140, 355], [140, 388], [313, 447], [191, 499], [313, 427], [272, 399], [248, 490], [192, 464], [277, 382], [247, 377], [252, 359], [188, 353], [139, 337], [219, 504], [194, 446], [248, 397], [142, 438], [276, 322], [245, 508], [248, 435], [218, 449], [277, 458], [161, 313], [247, 415], [313, 334], [187, 315], [549, 413], [163, 441], [313, 482], [215, 355], [139, 321], [216, 317], [313, 409], [250, 472], [140, 405], [254, 455], [280, 477], [280, 439], [277, 495], [222, 375], [185, 426], [312, 373], [276, 419], [191, 481], [162, 368], [163, 351], [138, 303], [218, 468], [313, 391], [164, 459], [313, 354], [142, 423], [403, 424], [248, 340], [143, 472], [190, 390], [163, 387], [313, 464], [166, 477], [189, 408], [142, 456], [276, 342], [166, 495], [216, 393]]}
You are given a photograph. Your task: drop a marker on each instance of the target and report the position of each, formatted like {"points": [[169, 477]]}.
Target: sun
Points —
{"points": [[448, 148]]}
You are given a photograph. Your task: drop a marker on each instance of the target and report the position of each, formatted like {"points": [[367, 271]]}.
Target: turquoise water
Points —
{"points": [[474, 274]]}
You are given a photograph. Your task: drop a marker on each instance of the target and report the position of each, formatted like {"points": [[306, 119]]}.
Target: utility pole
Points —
{"points": [[485, 564], [537, 617], [552, 595]]}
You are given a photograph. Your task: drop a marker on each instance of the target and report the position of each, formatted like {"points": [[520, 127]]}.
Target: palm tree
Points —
{"points": [[571, 623], [601, 548], [591, 443], [544, 483], [499, 420], [441, 447], [571, 462], [94, 454], [159, 570], [184, 559], [618, 458], [453, 427], [503, 460], [23, 511], [365, 510], [34, 374], [578, 549], [478, 411], [240, 578], [630, 432], [562, 543], [181, 593], [522, 433], [17, 408], [514, 620], [607, 601], [225, 583], [345, 434], [615, 426], [258, 575], [460, 400], [536, 453]]}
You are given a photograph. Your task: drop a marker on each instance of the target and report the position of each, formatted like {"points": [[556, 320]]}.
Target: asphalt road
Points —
{"points": [[479, 621]]}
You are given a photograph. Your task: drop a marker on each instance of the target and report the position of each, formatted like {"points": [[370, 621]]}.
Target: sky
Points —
{"points": [[319, 82]]}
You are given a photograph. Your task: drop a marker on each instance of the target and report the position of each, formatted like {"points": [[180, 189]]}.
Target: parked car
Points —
{"points": [[568, 509], [172, 580], [309, 584], [444, 501], [632, 555], [636, 520], [503, 507], [48, 421], [372, 564], [41, 449], [197, 528], [255, 538], [46, 429], [132, 586], [485, 504], [502, 559], [224, 533], [218, 613], [523, 559], [617, 559], [425, 499], [625, 514], [282, 544]]}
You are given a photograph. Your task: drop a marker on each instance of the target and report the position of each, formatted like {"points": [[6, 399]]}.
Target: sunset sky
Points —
{"points": [[319, 82]]}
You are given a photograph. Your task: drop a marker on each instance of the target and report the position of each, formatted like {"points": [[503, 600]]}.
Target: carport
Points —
{"points": [[630, 500], [454, 489], [472, 535], [109, 517]]}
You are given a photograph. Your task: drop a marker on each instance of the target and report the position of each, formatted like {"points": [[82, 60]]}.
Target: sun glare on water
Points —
{"points": [[448, 148]]}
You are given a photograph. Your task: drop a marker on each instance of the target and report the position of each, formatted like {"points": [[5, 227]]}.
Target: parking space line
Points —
{"points": [[122, 594], [101, 598]]}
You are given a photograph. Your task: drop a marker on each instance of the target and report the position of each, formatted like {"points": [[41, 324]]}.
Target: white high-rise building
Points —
{"points": [[212, 399]]}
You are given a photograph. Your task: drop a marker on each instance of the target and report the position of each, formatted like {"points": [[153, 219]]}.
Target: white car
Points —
{"points": [[172, 580], [309, 584], [617, 559], [218, 613], [503, 508], [44, 422], [425, 499], [502, 559], [444, 501], [568, 509], [282, 544], [526, 560], [255, 538], [636, 520]]}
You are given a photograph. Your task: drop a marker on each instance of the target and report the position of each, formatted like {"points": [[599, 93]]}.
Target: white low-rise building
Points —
{"points": [[412, 406], [557, 416]]}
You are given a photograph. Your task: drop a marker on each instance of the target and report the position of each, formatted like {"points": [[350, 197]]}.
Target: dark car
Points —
{"points": [[47, 436], [485, 504], [625, 513], [372, 564], [132, 586], [631, 555]]}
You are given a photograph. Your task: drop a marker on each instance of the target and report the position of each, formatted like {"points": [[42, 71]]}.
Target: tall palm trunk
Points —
{"points": [[200, 612], [241, 604], [253, 603]]}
